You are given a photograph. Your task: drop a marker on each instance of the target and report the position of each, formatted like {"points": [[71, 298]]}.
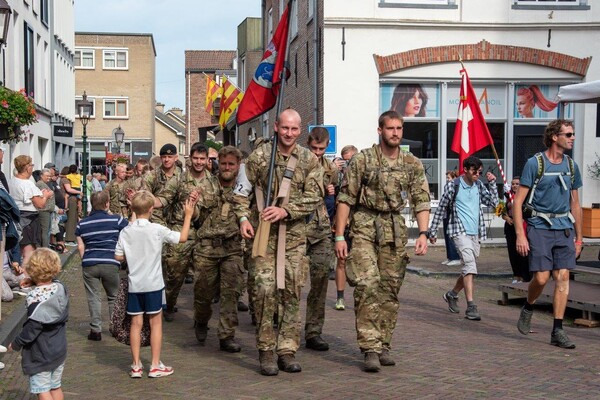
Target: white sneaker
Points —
{"points": [[3, 349], [454, 262], [445, 262], [1, 365]]}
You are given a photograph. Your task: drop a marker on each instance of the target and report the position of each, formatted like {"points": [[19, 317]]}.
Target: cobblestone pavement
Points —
{"points": [[438, 354]]}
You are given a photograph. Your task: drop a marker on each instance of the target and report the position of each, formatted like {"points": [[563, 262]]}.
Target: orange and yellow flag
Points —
{"points": [[213, 91], [230, 100]]}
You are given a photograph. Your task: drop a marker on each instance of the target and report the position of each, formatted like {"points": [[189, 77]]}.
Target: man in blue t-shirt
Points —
{"points": [[97, 237], [552, 241]]}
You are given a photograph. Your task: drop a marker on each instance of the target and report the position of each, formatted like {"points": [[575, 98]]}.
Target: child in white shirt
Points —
{"points": [[141, 245]]}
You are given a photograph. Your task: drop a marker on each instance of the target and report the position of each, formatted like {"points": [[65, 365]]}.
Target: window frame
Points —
{"points": [[82, 50], [44, 16], [115, 51], [29, 50], [440, 4], [116, 101], [550, 5]]}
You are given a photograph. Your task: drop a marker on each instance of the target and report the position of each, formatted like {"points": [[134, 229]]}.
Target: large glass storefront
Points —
{"points": [[516, 115]]}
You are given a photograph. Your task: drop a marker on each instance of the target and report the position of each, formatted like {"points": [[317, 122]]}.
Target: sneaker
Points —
{"points": [[3, 349], [136, 371], [339, 305], [445, 262], [452, 303], [159, 371], [524, 323], [1, 365], [472, 313], [453, 263], [559, 338]]}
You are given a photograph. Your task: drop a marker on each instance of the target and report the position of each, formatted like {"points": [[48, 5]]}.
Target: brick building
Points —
{"points": [[117, 71]]}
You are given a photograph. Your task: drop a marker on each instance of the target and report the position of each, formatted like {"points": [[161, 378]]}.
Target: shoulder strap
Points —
{"points": [[540, 172], [456, 183], [571, 168]]}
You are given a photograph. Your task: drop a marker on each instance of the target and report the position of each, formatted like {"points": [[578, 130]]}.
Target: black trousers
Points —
{"points": [[518, 263]]}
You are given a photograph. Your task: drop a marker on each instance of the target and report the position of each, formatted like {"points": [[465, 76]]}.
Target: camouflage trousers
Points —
{"points": [[377, 272], [219, 270], [248, 280], [321, 257], [286, 303], [178, 260]]}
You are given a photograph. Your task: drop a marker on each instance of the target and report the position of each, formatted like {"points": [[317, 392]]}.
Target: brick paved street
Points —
{"points": [[439, 354]]}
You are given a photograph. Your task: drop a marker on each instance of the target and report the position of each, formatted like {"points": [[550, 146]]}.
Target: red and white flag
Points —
{"points": [[471, 133], [261, 94]]}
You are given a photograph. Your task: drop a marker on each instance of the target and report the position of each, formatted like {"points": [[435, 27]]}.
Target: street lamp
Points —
{"points": [[85, 111], [5, 12], [119, 137]]}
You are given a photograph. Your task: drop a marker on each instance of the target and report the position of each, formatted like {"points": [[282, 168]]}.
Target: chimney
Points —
{"points": [[177, 111], [160, 107]]}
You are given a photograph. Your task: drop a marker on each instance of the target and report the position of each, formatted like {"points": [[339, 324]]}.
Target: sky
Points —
{"points": [[176, 25]]}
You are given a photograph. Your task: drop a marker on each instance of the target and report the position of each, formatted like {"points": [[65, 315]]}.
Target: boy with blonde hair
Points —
{"points": [[141, 245], [44, 337]]}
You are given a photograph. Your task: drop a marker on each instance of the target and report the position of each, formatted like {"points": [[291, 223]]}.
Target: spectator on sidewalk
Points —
{"points": [[48, 209], [71, 200], [140, 244], [518, 263], [452, 256], [43, 339], [97, 237], [466, 226], [553, 240], [30, 200]]}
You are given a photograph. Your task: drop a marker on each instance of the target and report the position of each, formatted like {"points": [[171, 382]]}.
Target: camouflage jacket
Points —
{"points": [[377, 192], [305, 192], [155, 182], [115, 192], [319, 225], [218, 221], [173, 197]]}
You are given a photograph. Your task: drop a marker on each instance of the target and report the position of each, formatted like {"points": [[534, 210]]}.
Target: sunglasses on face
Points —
{"points": [[568, 135], [476, 172]]}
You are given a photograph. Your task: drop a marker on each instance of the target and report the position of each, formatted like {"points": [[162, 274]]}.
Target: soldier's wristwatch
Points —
{"points": [[424, 233]]}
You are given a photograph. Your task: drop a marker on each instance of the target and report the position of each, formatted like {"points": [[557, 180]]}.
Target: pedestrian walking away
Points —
{"points": [[548, 201], [463, 197], [375, 188]]}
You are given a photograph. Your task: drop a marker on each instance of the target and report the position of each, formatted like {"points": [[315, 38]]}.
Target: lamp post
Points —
{"points": [[85, 110], [5, 12], [119, 135]]}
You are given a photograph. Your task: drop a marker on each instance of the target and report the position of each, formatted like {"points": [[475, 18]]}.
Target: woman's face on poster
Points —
{"points": [[413, 105], [524, 107]]}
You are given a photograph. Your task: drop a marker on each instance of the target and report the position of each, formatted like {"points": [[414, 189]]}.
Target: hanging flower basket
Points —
{"points": [[118, 158], [16, 110]]}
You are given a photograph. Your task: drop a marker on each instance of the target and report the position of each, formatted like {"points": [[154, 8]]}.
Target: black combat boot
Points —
{"points": [[229, 345], [201, 332], [288, 363]]}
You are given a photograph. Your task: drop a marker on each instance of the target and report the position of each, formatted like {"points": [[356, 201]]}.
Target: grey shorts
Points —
{"points": [[550, 249], [468, 247]]}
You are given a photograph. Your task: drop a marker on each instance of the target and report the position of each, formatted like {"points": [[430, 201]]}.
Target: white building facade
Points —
{"points": [[375, 50], [38, 57]]}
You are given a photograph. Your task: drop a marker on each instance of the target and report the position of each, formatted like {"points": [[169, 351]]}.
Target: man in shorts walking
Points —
{"points": [[553, 240]]}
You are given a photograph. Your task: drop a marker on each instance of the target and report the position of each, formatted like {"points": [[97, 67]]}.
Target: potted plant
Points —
{"points": [[16, 110], [591, 216]]}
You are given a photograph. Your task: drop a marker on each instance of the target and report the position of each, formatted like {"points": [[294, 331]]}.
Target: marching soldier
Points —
{"points": [[378, 182], [297, 188]]}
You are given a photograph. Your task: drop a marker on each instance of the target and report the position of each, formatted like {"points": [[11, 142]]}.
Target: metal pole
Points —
{"points": [[84, 199]]}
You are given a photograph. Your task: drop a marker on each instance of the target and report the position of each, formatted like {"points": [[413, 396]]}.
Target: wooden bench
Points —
{"points": [[582, 269], [582, 296]]}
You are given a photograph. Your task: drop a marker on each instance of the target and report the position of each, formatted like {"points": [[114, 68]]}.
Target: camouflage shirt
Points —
{"points": [[305, 192], [218, 221], [115, 192], [173, 197], [319, 225], [155, 182], [377, 192]]}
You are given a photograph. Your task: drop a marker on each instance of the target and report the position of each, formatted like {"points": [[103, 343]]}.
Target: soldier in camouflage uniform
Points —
{"points": [[115, 190], [172, 198], [218, 252], [305, 192], [319, 245], [378, 182], [134, 184]]}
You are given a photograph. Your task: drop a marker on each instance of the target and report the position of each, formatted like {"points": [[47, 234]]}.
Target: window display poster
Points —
{"points": [[410, 99], [537, 101]]}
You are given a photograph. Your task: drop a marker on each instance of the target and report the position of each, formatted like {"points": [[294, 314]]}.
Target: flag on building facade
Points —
{"points": [[213, 91], [261, 94], [471, 133], [230, 100]]}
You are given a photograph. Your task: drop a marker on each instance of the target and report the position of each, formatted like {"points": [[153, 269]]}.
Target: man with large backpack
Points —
{"points": [[466, 226], [549, 201]]}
